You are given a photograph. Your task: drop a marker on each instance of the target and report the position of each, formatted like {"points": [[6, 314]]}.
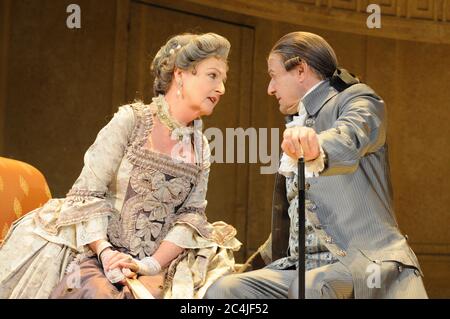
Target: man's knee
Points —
{"points": [[319, 290], [313, 288], [324, 289], [226, 287]]}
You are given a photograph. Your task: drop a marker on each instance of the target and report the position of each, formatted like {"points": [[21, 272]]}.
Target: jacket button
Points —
{"points": [[328, 240], [307, 186], [309, 122]]}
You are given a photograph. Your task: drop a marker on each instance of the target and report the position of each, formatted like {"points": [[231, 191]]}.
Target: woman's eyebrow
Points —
{"points": [[213, 68]]}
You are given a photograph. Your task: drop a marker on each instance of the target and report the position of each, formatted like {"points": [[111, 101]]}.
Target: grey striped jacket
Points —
{"points": [[350, 203]]}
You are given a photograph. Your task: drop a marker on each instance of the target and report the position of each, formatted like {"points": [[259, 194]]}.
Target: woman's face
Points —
{"points": [[202, 90]]}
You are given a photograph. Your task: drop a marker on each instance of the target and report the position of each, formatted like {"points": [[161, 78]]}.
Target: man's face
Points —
{"points": [[284, 85]]}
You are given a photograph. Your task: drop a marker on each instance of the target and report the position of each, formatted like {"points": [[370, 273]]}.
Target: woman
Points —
{"points": [[138, 207]]}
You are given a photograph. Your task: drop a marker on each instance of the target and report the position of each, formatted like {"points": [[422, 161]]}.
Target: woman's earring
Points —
{"points": [[180, 85]]}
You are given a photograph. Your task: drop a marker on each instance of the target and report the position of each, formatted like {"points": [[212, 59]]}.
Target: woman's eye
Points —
{"points": [[213, 76]]}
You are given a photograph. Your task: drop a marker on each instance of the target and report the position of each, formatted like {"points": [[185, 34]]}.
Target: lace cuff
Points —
{"points": [[74, 221], [288, 165], [187, 236]]}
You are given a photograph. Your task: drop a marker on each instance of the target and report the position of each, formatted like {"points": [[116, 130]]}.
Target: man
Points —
{"points": [[354, 248]]}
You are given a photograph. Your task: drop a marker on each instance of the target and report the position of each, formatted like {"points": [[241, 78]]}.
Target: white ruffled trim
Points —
{"points": [[288, 165], [187, 237], [78, 231]]}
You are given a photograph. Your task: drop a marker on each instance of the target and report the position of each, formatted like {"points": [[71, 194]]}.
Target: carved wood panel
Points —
{"points": [[437, 10]]}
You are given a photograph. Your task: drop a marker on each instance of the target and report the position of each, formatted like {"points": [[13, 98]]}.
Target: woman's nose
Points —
{"points": [[221, 88]]}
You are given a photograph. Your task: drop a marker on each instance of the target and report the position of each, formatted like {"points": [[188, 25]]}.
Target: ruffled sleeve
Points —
{"points": [[82, 217], [202, 262]]}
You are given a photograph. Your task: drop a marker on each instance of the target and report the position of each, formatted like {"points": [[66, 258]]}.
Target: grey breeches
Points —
{"points": [[331, 281]]}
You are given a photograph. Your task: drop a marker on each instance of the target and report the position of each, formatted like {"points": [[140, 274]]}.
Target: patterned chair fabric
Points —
{"points": [[22, 189]]}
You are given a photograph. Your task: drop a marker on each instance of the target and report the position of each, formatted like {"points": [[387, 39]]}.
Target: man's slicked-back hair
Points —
{"points": [[311, 48]]}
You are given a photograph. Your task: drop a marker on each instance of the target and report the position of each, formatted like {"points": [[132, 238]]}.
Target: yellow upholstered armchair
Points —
{"points": [[22, 189]]}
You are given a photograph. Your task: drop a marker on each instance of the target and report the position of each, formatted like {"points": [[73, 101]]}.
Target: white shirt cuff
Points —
{"points": [[288, 165]]}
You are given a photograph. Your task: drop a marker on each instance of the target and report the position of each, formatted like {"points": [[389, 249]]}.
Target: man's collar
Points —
{"points": [[317, 96], [313, 88]]}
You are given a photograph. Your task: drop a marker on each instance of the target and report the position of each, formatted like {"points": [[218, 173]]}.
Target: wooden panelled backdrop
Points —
{"points": [[59, 86]]}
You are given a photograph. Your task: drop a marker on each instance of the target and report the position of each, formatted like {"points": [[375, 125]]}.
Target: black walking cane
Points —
{"points": [[301, 227]]}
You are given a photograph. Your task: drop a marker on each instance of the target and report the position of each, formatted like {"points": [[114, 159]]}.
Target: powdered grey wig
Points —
{"points": [[185, 51]]}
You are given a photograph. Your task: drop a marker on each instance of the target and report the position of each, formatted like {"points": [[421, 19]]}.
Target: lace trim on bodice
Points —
{"points": [[145, 158], [157, 189]]}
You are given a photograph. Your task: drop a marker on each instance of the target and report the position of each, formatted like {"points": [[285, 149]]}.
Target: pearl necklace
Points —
{"points": [[160, 108]]}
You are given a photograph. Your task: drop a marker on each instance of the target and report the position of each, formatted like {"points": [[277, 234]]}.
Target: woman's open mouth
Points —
{"points": [[213, 99]]}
